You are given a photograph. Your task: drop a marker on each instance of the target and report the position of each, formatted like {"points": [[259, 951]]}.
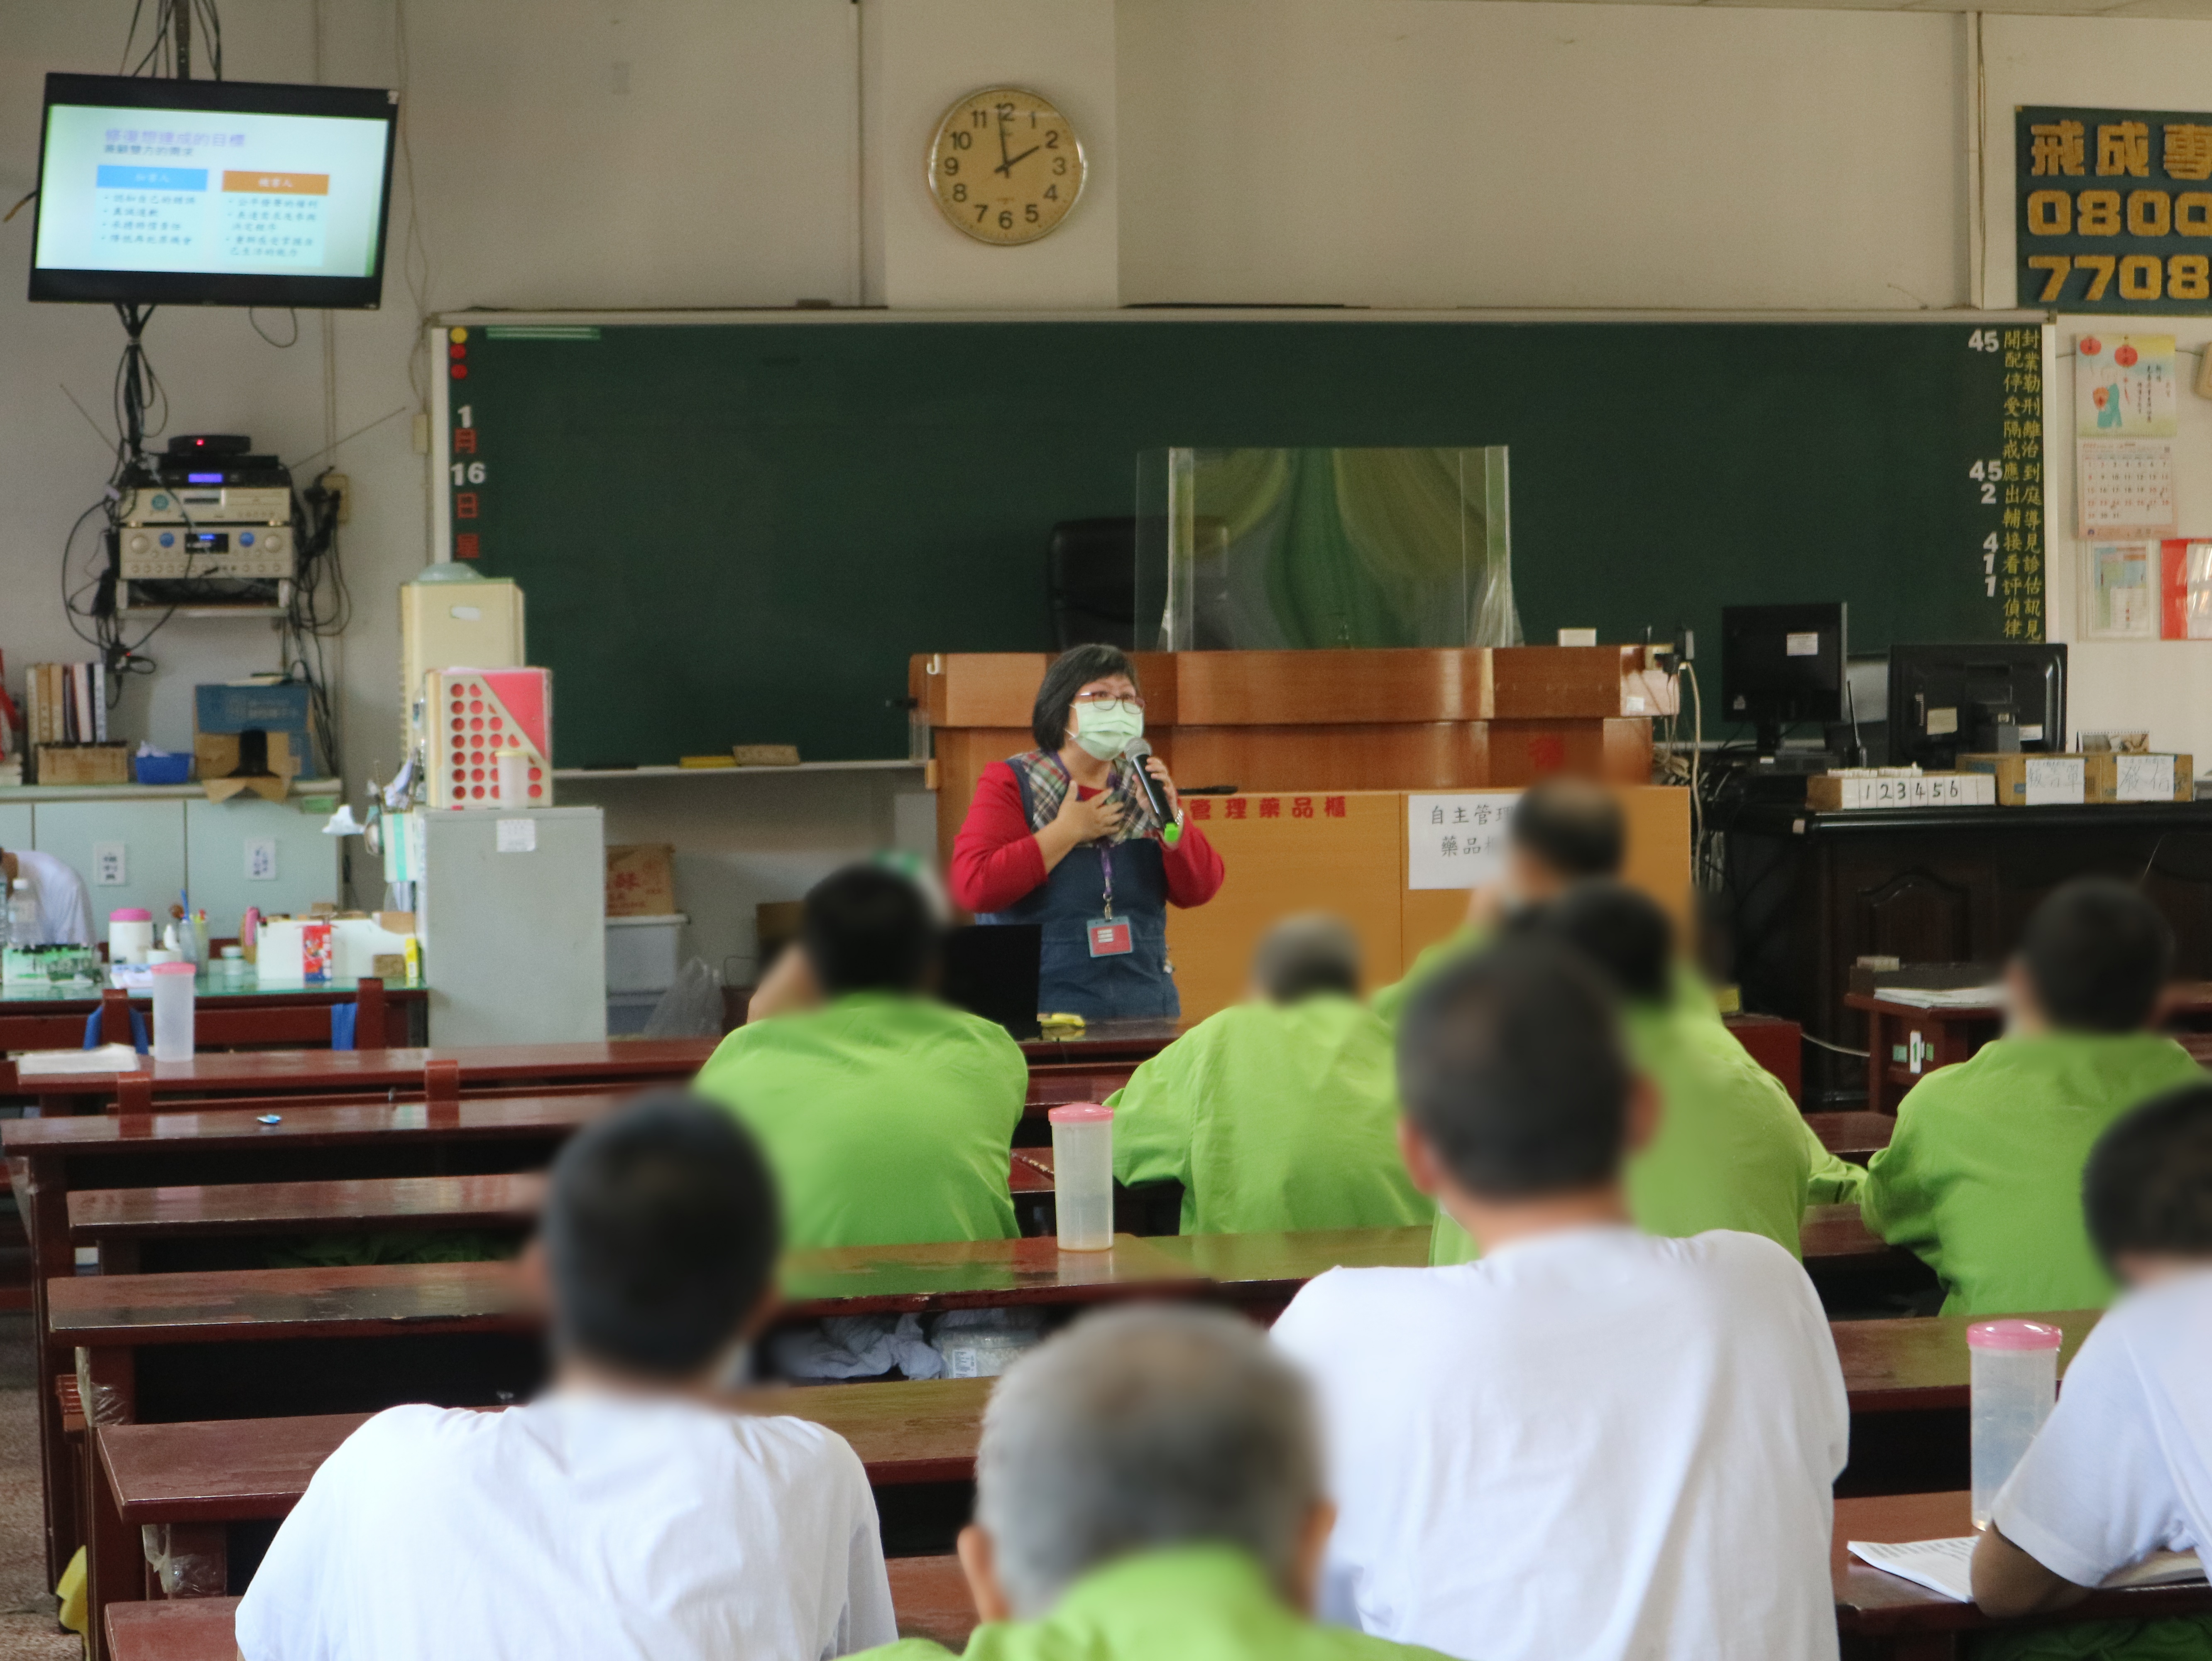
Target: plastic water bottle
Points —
{"points": [[23, 928], [1082, 1176], [173, 1011], [2015, 1386]]}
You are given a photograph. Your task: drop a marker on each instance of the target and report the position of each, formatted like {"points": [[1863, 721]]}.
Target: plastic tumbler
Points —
{"points": [[1082, 1176], [173, 1011], [2016, 1384]]}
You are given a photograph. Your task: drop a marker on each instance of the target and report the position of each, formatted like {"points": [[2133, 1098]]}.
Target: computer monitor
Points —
{"points": [[1946, 700], [992, 970], [212, 192], [1783, 664]]}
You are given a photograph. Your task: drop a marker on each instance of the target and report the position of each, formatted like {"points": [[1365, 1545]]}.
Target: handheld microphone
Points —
{"points": [[1170, 832]]}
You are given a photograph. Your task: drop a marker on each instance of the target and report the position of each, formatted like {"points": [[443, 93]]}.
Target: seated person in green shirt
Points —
{"points": [[1281, 1112], [887, 1115], [1982, 1177], [1732, 1150], [1564, 830], [1149, 1488]]}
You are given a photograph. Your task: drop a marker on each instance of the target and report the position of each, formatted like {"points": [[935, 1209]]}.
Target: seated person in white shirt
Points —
{"points": [[1592, 1444], [65, 909], [2123, 1467], [627, 1513]]}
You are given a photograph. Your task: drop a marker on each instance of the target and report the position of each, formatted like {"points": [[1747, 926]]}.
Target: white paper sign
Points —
{"points": [[2145, 778], [518, 836], [1457, 841], [2055, 781]]}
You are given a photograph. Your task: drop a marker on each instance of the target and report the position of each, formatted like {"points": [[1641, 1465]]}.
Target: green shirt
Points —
{"points": [[1691, 995], [1272, 1117], [1732, 1152], [1982, 1177], [1202, 1603], [886, 1119]]}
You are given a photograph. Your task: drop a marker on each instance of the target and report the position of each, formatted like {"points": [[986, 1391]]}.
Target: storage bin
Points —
{"points": [[642, 952]]}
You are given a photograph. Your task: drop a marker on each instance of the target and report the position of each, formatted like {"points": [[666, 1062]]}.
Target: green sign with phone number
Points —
{"points": [[2114, 208]]}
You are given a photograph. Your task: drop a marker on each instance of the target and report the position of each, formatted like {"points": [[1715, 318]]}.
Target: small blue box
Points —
{"points": [[165, 767], [233, 709]]}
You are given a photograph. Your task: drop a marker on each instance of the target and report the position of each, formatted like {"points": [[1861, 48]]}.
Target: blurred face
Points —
{"points": [[1105, 715]]}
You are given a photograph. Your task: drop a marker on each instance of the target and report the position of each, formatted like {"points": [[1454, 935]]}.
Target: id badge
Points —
{"points": [[1110, 937]]}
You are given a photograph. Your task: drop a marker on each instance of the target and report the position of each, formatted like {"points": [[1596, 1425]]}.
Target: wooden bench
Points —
{"points": [[929, 1598]]}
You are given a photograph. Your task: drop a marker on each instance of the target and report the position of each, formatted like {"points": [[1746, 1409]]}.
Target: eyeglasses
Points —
{"points": [[1109, 701]]}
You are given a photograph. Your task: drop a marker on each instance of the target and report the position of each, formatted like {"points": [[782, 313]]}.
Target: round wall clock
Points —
{"points": [[1006, 166]]}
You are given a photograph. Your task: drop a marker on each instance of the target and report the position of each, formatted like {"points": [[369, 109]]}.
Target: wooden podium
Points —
{"points": [[1323, 747], [1387, 720]]}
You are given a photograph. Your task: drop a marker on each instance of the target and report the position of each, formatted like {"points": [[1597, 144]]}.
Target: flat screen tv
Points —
{"points": [[212, 192]]}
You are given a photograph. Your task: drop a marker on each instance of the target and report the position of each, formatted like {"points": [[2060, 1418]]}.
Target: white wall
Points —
{"points": [[921, 55], [1366, 152], [1413, 153]]}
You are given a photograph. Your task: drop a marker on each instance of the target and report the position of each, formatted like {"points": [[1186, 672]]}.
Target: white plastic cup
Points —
{"points": [[1082, 1176], [173, 1011], [2015, 1386], [512, 769], [129, 935]]}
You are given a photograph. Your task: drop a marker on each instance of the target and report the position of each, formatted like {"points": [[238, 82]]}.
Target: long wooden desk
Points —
{"points": [[225, 1014], [50, 1158], [1879, 1616], [195, 1479], [208, 1080], [1854, 1136]]}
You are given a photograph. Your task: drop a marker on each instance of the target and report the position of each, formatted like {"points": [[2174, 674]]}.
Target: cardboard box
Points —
{"points": [[84, 763], [220, 757], [1832, 792], [2117, 775], [641, 879], [268, 708], [2027, 779]]}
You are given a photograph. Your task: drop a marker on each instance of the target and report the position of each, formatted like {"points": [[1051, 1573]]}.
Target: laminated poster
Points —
{"points": [[2123, 386]]}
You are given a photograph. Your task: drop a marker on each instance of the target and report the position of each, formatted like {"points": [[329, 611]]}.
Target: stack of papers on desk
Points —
{"points": [[1944, 1566], [69, 1064], [1955, 997]]}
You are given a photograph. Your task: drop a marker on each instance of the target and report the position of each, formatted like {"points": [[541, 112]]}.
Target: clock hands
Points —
{"points": [[1006, 166]]}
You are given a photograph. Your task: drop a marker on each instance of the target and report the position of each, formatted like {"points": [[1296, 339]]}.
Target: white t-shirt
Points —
{"points": [[1590, 1445], [580, 1525], [64, 909], [2124, 1465]]}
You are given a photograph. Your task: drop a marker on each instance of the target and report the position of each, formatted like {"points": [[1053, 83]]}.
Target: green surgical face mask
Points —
{"points": [[1105, 732]]}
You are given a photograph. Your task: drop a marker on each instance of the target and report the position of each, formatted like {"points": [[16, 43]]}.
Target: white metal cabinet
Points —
{"points": [[513, 924], [297, 864], [151, 835], [15, 826]]}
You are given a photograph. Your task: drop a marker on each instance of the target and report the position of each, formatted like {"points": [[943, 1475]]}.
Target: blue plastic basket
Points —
{"points": [[168, 767]]}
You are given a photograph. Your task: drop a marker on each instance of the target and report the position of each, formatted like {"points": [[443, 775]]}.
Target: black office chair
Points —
{"points": [[1093, 572]]}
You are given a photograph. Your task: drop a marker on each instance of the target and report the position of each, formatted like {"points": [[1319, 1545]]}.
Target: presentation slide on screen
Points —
{"points": [[194, 191]]}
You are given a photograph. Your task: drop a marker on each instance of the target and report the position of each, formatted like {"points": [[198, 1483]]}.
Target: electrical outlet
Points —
{"points": [[111, 864], [261, 859], [342, 487]]}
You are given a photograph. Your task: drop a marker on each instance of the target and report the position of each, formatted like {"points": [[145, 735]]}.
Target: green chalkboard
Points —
{"points": [[737, 531]]}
